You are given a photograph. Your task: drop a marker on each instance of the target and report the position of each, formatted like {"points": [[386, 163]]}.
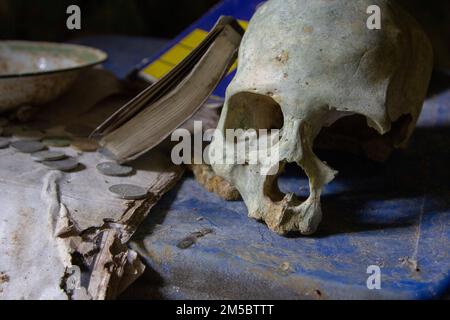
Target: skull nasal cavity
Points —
{"points": [[253, 111]]}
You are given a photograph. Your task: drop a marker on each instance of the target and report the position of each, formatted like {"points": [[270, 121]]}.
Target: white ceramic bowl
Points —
{"points": [[35, 73]]}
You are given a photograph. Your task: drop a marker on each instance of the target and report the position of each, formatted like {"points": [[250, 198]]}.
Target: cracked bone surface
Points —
{"points": [[305, 65]]}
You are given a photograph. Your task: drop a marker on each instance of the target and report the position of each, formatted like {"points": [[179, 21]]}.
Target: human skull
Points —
{"points": [[304, 65]]}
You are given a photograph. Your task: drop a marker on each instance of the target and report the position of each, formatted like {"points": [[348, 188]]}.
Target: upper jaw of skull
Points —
{"points": [[257, 181]]}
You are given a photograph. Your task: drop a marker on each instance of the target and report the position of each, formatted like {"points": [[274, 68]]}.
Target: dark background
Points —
{"points": [[46, 19]]}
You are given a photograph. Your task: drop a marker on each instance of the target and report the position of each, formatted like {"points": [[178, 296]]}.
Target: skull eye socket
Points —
{"points": [[352, 134], [253, 111]]}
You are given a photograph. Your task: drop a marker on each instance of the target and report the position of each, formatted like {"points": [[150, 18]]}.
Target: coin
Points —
{"points": [[4, 143], [58, 142], [113, 169], [27, 146], [128, 192], [68, 164], [48, 156], [85, 145]]}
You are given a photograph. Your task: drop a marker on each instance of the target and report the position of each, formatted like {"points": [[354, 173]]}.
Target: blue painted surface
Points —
{"points": [[374, 214], [389, 215]]}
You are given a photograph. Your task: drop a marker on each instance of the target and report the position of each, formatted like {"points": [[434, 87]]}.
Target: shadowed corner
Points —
{"points": [[419, 173], [440, 82]]}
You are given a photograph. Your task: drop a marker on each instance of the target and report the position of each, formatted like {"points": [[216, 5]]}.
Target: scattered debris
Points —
{"points": [[285, 266], [410, 263], [190, 240], [3, 277]]}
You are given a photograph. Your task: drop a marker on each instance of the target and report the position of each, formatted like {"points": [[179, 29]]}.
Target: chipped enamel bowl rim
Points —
{"points": [[81, 56]]}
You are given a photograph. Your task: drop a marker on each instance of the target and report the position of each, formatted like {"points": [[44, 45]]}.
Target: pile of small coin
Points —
{"points": [[55, 160], [36, 144]]}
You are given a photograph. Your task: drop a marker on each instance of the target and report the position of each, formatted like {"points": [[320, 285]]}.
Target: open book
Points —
{"points": [[155, 113]]}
